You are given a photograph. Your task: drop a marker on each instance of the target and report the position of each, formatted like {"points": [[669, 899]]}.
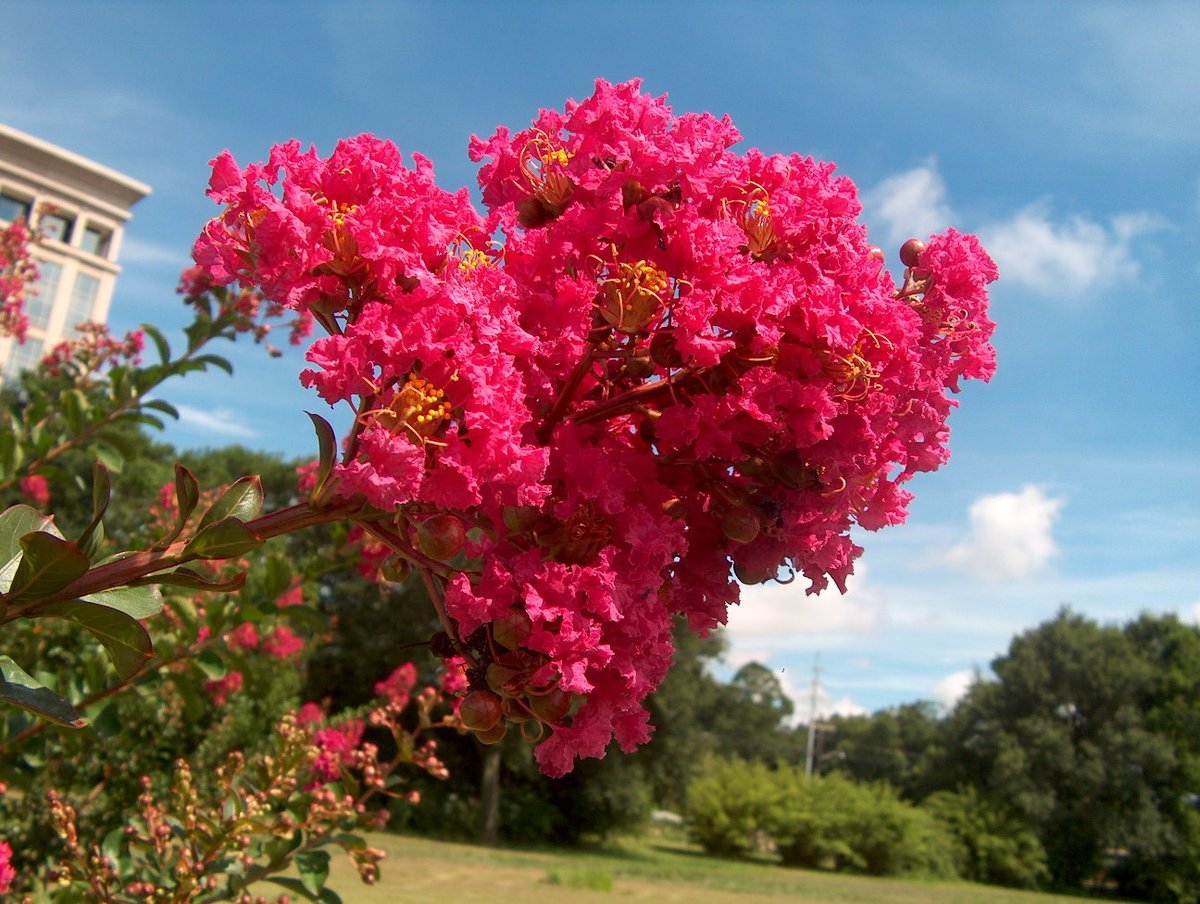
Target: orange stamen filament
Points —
{"points": [[631, 298]]}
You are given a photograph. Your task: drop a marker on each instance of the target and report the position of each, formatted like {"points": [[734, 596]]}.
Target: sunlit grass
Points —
{"points": [[644, 869]]}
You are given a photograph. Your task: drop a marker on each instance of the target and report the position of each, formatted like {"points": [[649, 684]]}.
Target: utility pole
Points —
{"points": [[812, 717]]}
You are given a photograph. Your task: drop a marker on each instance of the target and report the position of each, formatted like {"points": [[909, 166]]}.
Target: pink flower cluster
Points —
{"points": [[682, 364], [17, 273], [7, 873]]}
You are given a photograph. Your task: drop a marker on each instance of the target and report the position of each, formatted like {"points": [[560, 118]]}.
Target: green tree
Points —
{"points": [[1088, 733], [895, 745]]}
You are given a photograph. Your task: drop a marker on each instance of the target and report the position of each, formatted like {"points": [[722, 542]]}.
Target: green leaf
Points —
{"points": [[313, 867], [210, 664], [324, 896], [10, 452], [123, 636], [165, 407], [326, 447], [91, 545], [16, 522], [243, 500], [101, 494], [226, 539], [19, 687], [74, 407], [160, 342], [215, 361], [48, 565], [138, 602], [187, 491], [110, 456], [186, 577]]}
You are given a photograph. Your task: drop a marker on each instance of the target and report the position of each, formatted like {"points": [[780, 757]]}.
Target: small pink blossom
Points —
{"points": [[293, 596], [282, 643], [7, 873], [336, 745], [221, 689], [35, 489], [244, 637], [397, 686], [310, 713]]}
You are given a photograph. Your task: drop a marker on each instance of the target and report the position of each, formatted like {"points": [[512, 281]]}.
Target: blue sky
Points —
{"points": [[1064, 134]]}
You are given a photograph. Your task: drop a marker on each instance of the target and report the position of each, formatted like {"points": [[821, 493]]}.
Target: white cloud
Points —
{"points": [[152, 254], [909, 204], [1067, 258], [780, 615], [1010, 535], [953, 687], [219, 421]]}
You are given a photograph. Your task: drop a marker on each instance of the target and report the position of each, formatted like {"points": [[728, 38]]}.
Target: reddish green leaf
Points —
{"points": [[123, 636], [226, 539], [243, 501], [140, 602], [48, 565], [326, 448], [186, 577], [19, 687]]}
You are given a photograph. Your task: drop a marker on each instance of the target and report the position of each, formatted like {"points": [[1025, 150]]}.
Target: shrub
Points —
{"points": [[728, 806], [994, 846]]}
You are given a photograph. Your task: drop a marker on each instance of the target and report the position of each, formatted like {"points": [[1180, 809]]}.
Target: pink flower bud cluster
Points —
{"points": [[17, 274], [681, 364]]}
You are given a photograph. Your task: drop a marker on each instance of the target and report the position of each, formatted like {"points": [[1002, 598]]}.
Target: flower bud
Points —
{"points": [[480, 710], [876, 253], [511, 630], [552, 706], [663, 349], [910, 252], [674, 507], [639, 367], [493, 735], [395, 569], [741, 524], [754, 574], [441, 537]]}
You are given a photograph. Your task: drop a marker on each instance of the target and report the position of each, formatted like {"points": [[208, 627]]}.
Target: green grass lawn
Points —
{"points": [[647, 869]]}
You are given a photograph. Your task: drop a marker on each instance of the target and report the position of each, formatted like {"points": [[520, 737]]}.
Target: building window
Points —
{"points": [[96, 240], [39, 306], [82, 306], [23, 357], [56, 226], [13, 208]]}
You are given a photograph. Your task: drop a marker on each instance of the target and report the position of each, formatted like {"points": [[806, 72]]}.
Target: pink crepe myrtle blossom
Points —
{"points": [[36, 490], [244, 637], [336, 745], [293, 596], [655, 370], [398, 685], [18, 277], [282, 643], [7, 873], [221, 689]]}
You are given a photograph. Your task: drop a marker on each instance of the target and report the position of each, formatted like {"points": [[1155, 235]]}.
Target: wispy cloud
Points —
{"points": [[777, 615], [908, 204], [1065, 257], [1011, 536], [142, 253], [219, 421], [953, 687]]}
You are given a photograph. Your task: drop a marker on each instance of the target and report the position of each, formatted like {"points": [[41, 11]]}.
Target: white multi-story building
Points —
{"points": [[80, 207]]}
